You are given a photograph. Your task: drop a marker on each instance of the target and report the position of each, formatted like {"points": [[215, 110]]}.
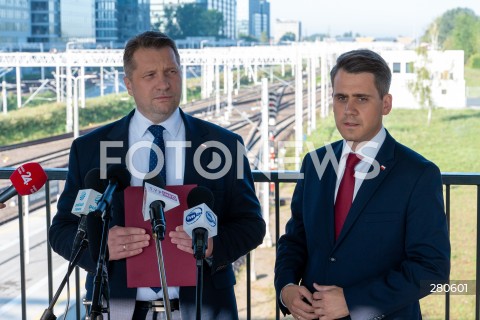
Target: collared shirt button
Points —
{"points": [[332, 259]]}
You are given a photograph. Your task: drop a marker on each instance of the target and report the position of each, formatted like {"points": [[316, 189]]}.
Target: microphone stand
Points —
{"points": [[100, 282], [48, 313], [199, 245], [199, 289], [158, 231]]}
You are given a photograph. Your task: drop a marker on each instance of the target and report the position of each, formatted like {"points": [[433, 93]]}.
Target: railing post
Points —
{"points": [[277, 234], [447, 212], [477, 277], [23, 282]]}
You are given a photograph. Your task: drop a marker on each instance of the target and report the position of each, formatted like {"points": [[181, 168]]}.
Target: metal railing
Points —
{"points": [[273, 177]]}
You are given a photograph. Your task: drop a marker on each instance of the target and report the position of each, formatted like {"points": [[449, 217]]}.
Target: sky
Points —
{"points": [[377, 18]]}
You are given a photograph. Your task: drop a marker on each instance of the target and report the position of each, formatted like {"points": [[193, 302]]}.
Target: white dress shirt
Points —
{"points": [[174, 137], [367, 151]]}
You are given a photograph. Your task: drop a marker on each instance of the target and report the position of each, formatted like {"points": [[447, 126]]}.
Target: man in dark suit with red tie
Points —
{"points": [[153, 78], [368, 231]]}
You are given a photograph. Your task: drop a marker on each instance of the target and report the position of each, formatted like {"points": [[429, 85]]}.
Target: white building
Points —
{"points": [[447, 77]]}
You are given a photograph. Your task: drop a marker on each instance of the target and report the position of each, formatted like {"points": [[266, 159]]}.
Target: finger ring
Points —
{"points": [[124, 247]]}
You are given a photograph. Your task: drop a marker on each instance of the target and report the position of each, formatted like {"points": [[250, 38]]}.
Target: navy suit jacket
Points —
{"points": [[394, 242], [241, 227]]}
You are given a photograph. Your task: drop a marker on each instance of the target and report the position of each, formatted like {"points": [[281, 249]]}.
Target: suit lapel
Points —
{"points": [[196, 134], [330, 177], [385, 158], [119, 132]]}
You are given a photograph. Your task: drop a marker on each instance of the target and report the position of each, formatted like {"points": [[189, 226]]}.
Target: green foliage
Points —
{"points": [[193, 20], [40, 99], [105, 109], [194, 93], [465, 35], [248, 38], [474, 61], [316, 37], [171, 26], [472, 77], [451, 140], [33, 123], [444, 24], [264, 37], [456, 29], [289, 36]]}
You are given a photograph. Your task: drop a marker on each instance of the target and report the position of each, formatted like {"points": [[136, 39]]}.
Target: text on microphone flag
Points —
{"points": [[86, 201], [200, 216], [28, 178], [152, 193]]}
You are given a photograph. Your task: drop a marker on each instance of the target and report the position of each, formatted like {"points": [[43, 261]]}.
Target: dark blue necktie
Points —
{"points": [[157, 132]]}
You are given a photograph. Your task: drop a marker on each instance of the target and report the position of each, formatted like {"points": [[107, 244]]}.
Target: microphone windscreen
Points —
{"points": [[199, 195], [157, 181], [119, 174], [92, 181], [94, 231], [28, 178]]}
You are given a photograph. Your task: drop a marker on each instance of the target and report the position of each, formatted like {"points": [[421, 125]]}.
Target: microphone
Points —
{"points": [[118, 179], [157, 200], [26, 179], [199, 222], [85, 203]]}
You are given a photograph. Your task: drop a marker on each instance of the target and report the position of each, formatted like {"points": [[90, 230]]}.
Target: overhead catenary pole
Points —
{"points": [[217, 89], [298, 109], [267, 240], [19, 86], [4, 96], [102, 84], [69, 105], [313, 92], [184, 84]]}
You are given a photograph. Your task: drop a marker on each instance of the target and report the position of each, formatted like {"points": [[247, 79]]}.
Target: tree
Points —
{"points": [[421, 87], [171, 26], [456, 29], [264, 37], [316, 37], [247, 38], [193, 20], [465, 35], [289, 36]]}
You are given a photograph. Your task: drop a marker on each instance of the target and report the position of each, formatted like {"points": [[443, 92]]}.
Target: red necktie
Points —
{"points": [[345, 193]]}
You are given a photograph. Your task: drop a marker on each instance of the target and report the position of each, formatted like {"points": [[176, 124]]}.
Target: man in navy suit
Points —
{"points": [[153, 79], [392, 242]]}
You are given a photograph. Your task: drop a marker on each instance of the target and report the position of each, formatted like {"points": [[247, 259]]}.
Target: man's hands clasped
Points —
{"points": [[326, 303]]}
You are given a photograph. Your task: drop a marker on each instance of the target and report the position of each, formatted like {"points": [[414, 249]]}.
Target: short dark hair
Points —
{"points": [[147, 39], [364, 60]]}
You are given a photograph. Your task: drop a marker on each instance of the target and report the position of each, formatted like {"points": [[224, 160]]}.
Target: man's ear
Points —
{"points": [[387, 104], [128, 84]]}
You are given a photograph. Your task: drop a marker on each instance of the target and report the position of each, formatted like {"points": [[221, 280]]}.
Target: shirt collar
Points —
{"points": [[368, 150], [172, 125]]}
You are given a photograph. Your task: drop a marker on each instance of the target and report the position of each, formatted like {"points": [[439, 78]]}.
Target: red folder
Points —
{"points": [[142, 269]]}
